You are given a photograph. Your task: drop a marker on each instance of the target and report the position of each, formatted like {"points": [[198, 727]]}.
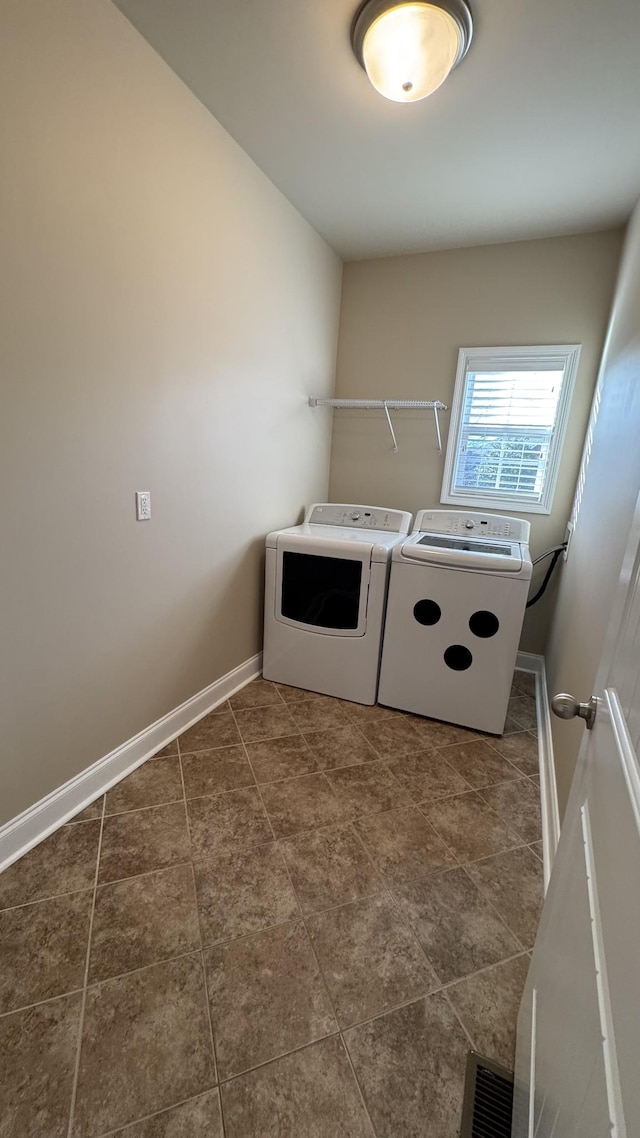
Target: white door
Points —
{"points": [[578, 1047]]}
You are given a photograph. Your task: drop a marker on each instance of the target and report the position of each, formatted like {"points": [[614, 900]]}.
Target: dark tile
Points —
{"points": [[232, 821], [301, 804], [340, 747], [37, 1061], [241, 892], [427, 775], [521, 749], [538, 850], [153, 1022], [369, 713], [275, 759], [367, 789], [212, 772], [518, 804], [402, 844], [458, 929], [469, 827], [170, 749], [142, 921], [310, 1094], [522, 708], [488, 1006], [524, 683], [142, 840], [198, 1118], [265, 723], [392, 738], [94, 810], [316, 715], [223, 708], [299, 695], [267, 997], [151, 784], [369, 958], [329, 867], [63, 863], [218, 729], [511, 726], [259, 693], [479, 764], [411, 1064], [513, 883], [433, 733], [43, 949]]}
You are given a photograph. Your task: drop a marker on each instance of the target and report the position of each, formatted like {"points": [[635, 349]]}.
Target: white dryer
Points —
{"points": [[325, 595], [457, 598]]}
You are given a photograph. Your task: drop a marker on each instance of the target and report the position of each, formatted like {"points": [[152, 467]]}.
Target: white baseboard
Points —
{"points": [[38, 821], [527, 662]]}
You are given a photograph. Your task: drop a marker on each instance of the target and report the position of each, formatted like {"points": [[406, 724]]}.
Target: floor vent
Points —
{"points": [[488, 1099]]}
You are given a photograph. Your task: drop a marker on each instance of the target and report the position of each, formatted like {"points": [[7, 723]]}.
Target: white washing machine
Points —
{"points": [[326, 589], [457, 598]]}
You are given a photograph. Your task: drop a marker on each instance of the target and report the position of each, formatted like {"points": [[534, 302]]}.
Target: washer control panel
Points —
{"points": [[358, 517], [494, 526]]}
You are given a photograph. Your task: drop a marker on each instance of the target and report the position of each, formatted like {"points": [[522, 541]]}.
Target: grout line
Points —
{"points": [[489, 901], [76, 1073], [145, 873], [274, 1059], [257, 787], [487, 968], [357, 1082], [49, 897], [461, 1022], [138, 809], [156, 1114], [216, 1070], [144, 967], [39, 1003]]}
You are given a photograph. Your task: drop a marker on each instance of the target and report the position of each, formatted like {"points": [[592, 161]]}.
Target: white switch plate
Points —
{"points": [[143, 505]]}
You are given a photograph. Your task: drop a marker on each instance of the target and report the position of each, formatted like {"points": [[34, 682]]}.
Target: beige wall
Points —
{"points": [[403, 320], [612, 484], [165, 314]]}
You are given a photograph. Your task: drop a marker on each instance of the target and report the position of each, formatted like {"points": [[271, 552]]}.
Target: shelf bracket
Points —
{"points": [[390, 426], [437, 423]]}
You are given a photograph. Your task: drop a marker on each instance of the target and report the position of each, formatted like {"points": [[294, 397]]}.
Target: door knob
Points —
{"points": [[567, 707]]}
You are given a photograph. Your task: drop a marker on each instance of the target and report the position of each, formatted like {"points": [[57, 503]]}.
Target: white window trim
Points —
{"points": [[565, 356]]}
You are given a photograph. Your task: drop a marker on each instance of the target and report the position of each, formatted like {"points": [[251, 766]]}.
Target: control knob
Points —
{"points": [[469, 525]]}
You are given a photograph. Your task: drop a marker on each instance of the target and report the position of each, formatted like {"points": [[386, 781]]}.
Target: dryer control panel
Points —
{"points": [[494, 526], [358, 517]]}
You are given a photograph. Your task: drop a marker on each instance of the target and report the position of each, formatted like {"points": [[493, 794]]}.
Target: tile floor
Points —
{"points": [[293, 922]]}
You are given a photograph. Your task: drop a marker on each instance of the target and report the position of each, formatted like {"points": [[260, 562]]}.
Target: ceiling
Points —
{"points": [[536, 133]]}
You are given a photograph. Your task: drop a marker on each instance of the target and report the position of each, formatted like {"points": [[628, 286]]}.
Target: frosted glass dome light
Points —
{"points": [[408, 47]]}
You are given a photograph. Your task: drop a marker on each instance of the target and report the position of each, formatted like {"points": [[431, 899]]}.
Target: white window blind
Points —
{"points": [[508, 419]]}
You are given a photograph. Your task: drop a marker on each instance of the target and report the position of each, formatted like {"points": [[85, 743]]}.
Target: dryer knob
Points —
{"points": [[469, 525]]}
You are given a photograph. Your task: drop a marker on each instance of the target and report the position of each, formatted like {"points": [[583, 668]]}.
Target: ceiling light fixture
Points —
{"points": [[408, 47]]}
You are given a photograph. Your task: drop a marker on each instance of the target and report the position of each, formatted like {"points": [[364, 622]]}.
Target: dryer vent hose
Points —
{"points": [[554, 553]]}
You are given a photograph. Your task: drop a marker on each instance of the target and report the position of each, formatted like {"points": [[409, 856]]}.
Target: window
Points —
{"points": [[508, 421]]}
